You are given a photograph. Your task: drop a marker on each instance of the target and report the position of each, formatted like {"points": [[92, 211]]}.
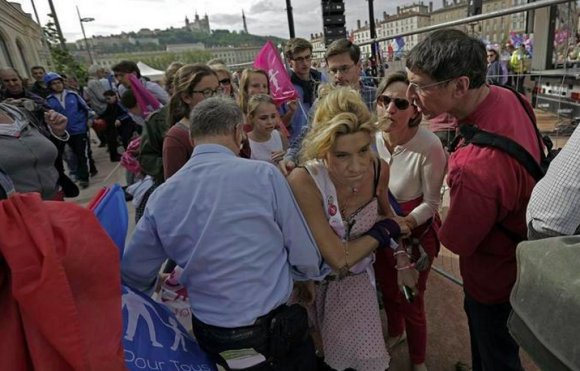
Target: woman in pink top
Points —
{"points": [[417, 162], [192, 84]]}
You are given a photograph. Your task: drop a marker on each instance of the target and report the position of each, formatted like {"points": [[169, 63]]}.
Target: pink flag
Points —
{"points": [[281, 88], [146, 101]]}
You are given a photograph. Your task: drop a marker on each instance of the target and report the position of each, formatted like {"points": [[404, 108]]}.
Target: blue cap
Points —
{"points": [[50, 77]]}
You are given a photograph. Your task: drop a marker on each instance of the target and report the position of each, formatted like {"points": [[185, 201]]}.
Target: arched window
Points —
{"points": [[22, 55], [4, 53]]}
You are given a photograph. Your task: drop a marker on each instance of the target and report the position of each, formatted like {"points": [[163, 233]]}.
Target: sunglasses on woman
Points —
{"points": [[385, 100]]}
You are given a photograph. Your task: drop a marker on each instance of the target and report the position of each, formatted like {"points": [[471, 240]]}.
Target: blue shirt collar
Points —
{"points": [[212, 148]]}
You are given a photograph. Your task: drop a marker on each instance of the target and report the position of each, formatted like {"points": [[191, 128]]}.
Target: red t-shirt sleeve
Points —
{"points": [[472, 214], [175, 155]]}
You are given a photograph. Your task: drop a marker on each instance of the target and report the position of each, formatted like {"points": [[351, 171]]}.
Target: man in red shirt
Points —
{"points": [[489, 189]]}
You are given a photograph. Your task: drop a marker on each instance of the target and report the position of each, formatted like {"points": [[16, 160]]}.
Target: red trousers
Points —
{"points": [[401, 314]]}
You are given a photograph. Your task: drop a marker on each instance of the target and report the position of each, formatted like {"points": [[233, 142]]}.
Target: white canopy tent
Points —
{"points": [[150, 72]]}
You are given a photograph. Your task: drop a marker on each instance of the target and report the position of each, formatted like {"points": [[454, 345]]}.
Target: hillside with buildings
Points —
{"points": [[194, 42]]}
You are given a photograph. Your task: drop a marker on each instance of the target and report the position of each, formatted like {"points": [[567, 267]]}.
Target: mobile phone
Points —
{"points": [[409, 294]]}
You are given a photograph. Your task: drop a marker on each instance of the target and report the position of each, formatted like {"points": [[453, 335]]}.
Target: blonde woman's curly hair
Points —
{"points": [[340, 111]]}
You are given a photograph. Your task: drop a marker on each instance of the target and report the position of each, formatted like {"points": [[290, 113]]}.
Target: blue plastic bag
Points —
{"points": [[154, 339]]}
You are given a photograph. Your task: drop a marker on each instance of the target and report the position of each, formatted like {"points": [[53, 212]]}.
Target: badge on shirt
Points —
{"points": [[331, 206]]}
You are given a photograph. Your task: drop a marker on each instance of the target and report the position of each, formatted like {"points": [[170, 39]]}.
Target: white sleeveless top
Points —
{"points": [[319, 173], [263, 150]]}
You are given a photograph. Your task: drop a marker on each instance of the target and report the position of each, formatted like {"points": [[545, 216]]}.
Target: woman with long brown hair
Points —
{"points": [[192, 84]]}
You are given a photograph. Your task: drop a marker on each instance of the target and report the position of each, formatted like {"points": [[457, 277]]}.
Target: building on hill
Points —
{"points": [[237, 55], [178, 48], [198, 25], [20, 39]]}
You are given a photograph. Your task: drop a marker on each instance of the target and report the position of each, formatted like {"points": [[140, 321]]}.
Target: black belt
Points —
{"points": [[260, 327]]}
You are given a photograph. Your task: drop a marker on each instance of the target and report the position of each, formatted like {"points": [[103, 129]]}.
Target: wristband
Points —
{"points": [[401, 252], [412, 265], [383, 231]]}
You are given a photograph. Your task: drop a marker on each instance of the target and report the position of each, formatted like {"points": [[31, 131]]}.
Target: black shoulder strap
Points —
{"points": [[377, 177], [542, 141], [473, 135]]}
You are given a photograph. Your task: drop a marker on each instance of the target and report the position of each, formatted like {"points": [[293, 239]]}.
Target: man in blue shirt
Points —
{"points": [[344, 67], [234, 227]]}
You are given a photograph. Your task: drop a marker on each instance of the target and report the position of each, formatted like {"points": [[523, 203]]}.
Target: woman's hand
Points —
{"points": [[56, 122], [408, 277], [277, 156], [407, 225], [304, 292]]}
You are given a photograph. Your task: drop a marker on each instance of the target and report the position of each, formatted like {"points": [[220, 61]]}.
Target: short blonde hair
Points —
{"points": [[340, 111]]}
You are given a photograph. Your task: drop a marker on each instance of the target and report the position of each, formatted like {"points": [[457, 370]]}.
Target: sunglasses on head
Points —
{"points": [[225, 81], [385, 100]]}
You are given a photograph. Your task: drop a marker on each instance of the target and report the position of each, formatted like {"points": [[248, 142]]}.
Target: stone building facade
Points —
{"points": [[20, 39]]}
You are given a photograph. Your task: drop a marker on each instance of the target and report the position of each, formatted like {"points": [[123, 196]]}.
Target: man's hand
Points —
{"points": [[286, 166], [56, 122], [292, 105]]}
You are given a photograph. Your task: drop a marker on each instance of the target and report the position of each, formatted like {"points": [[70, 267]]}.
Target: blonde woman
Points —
{"points": [[336, 190]]}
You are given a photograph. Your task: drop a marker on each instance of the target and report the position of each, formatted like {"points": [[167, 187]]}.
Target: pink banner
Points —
{"points": [[146, 101], [281, 88]]}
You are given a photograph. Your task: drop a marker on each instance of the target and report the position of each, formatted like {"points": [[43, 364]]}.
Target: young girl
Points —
{"points": [[252, 82], [266, 143]]}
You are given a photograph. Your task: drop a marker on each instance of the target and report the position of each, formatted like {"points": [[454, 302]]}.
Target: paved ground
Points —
{"points": [[448, 338]]}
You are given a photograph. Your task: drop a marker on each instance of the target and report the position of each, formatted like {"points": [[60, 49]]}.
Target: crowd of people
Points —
{"points": [[292, 225]]}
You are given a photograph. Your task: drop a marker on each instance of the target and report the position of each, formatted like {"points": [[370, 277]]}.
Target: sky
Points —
{"points": [[264, 17]]}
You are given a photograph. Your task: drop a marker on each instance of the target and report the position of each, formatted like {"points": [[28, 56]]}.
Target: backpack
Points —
{"points": [[471, 134]]}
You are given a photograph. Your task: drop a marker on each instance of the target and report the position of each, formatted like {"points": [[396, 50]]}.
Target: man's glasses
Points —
{"points": [[341, 69], [384, 101], [225, 81], [208, 93], [421, 88], [306, 58]]}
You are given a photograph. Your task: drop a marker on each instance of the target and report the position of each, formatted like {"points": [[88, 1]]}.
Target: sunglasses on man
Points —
{"points": [[385, 100]]}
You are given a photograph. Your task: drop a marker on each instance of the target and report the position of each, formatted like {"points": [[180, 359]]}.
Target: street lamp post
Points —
{"points": [[375, 55], [290, 18], [83, 20]]}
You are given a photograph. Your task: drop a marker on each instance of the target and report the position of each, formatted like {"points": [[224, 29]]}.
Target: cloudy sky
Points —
{"points": [[264, 17]]}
